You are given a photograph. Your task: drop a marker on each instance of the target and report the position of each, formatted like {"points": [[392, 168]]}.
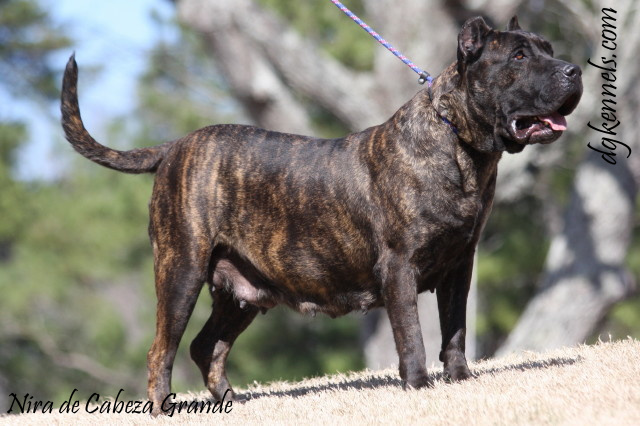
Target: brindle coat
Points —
{"points": [[336, 225]]}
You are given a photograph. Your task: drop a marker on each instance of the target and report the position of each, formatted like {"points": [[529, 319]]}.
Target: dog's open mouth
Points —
{"points": [[546, 127], [538, 127]]}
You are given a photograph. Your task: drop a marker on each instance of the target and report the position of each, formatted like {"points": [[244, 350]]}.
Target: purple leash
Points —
{"points": [[424, 76]]}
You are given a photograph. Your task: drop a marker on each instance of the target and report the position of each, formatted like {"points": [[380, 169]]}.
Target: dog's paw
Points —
{"points": [[418, 381], [456, 373]]}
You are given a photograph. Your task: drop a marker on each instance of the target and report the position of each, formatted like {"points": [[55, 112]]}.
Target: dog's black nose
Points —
{"points": [[571, 70]]}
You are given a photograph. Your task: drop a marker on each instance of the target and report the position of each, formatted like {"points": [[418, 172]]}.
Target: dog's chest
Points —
{"points": [[449, 225]]}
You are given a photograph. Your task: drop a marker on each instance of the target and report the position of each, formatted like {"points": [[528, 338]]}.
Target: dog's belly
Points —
{"points": [[334, 292], [309, 279]]}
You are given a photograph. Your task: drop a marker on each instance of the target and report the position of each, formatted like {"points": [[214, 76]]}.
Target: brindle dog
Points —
{"points": [[337, 225]]}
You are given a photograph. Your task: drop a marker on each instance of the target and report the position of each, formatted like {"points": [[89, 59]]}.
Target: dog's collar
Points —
{"points": [[445, 120]]}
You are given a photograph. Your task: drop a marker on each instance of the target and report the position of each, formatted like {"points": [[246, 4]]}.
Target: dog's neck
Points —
{"points": [[451, 102], [444, 119], [417, 136]]}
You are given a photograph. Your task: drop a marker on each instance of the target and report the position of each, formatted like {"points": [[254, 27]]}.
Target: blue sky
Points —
{"points": [[113, 34]]}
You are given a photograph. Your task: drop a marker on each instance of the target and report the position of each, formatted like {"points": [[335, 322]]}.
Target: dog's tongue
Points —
{"points": [[555, 120]]}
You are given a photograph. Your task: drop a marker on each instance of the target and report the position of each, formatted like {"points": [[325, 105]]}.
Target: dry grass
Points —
{"points": [[592, 385]]}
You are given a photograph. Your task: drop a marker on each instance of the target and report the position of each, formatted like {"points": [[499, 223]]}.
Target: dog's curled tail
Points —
{"points": [[134, 161]]}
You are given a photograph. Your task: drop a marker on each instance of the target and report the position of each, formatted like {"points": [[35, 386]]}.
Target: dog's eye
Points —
{"points": [[520, 56]]}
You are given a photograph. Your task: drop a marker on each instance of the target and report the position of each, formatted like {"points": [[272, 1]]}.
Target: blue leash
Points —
{"points": [[424, 76]]}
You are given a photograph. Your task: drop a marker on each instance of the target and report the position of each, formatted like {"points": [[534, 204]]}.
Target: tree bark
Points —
{"points": [[252, 77], [584, 273]]}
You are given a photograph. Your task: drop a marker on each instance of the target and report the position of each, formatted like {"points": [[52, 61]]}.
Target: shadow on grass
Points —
{"points": [[530, 365], [379, 381], [372, 382]]}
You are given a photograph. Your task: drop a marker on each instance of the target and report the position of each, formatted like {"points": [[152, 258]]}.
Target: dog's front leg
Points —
{"points": [[452, 307], [400, 298]]}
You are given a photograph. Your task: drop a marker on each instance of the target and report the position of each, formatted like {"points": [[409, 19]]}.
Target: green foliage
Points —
{"points": [[325, 24], [338, 37], [86, 235], [26, 39], [287, 346], [633, 257], [13, 193], [509, 264], [624, 319], [179, 93], [27, 36]]}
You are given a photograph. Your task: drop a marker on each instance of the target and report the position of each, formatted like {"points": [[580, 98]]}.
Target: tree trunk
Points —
{"points": [[252, 77], [584, 273]]}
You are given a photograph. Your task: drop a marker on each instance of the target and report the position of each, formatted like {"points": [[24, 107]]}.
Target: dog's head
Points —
{"points": [[514, 87]]}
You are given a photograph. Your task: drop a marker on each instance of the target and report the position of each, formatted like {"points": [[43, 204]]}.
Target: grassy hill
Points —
{"points": [[586, 385]]}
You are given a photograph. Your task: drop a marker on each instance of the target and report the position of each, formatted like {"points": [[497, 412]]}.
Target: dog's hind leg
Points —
{"points": [[452, 308], [210, 348], [180, 270]]}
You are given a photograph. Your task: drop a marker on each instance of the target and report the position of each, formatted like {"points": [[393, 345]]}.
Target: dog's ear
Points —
{"points": [[513, 24], [471, 39]]}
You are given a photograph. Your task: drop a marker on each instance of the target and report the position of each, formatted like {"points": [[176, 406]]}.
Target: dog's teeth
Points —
{"points": [[543, 122], [243, 304]]}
